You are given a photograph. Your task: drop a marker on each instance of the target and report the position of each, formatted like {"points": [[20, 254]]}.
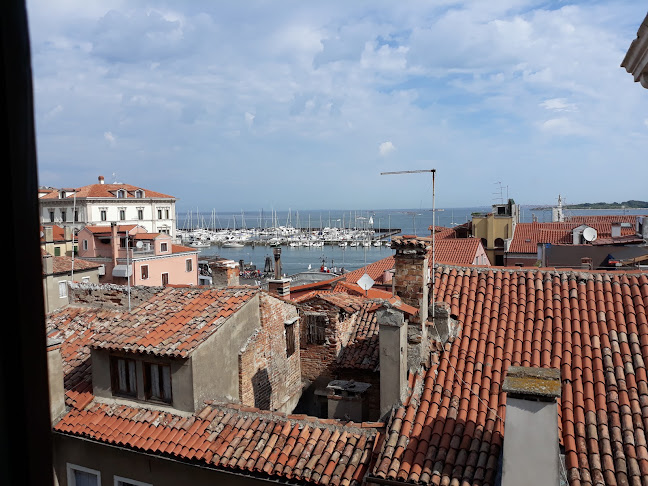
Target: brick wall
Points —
{"points": [[268, 378], [109, 295], [319, 361]]}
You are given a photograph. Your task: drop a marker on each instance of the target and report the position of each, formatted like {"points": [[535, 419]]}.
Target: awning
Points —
{"points": [[122, 271]]}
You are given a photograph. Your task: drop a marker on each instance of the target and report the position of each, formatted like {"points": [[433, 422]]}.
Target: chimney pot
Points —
{"points": [[101, 179]]}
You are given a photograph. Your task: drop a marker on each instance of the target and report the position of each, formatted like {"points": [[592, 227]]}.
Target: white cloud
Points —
{"points": [[558, 104], [110, 138], [563, 126], [386, 148], [249, 119]]}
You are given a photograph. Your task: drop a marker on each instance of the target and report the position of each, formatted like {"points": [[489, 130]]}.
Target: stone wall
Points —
{"points": [[269, 379], [109, 295]]}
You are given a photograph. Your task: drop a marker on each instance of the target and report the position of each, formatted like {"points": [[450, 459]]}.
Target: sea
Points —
{"points": [[300, 259]]}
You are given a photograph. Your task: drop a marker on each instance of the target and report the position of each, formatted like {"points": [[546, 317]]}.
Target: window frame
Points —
{"points": [[159, 213], [118, 480], [167, 278], [63, 285], [148, 393], [164, 247], [103, 215], [142, 267], [189, 265], [140, 214], [71, 481], [291, 336], [114, 376], [122, 215]]}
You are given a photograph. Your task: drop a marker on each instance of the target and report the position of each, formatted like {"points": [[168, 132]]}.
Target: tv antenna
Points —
{"points": [[433, 272]]}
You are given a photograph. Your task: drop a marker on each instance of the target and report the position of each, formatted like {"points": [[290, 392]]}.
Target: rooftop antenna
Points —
{"points": [[433, 171]]}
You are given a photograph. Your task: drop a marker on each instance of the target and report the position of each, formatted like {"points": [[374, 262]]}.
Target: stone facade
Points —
{"points": [[269, 363], [109, 295]]}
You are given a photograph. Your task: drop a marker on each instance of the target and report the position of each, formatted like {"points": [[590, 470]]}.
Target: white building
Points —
{"points": [[101, 204]]}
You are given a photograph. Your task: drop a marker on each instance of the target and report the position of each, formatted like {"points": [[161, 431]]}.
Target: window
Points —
{"points": [[119, 481], [85, 245], [123, 376], [63, 289], [315, 327], [144, 270], [165, 279], [164, 247], [166, 212], [51, 213], [121, 194], [82, 476], [122, 242], [57, 251], [122, 214], [139, 194], [103, 215], [289, 329], [159, 214], [157, 382], [189, 265], [140, 214], [64, 216], [76, 215]]}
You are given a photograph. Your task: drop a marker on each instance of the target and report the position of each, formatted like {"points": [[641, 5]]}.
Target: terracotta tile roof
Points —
{"points": [[146, 236], [174, 321], [590, 325], [350, 303], [528, 235], [107, 229], [106, 191], [58, 233], [362, 350], [606, 218], [455, 251], [294, 447], [182, 249], [375, 270], [63, 264], [76, 326]]}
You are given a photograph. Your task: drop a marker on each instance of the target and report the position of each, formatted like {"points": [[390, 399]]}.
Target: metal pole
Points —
{"points": [[433, 271]]}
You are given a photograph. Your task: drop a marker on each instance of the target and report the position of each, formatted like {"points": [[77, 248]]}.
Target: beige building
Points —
{"points": [[58, 271], [495, 229]]}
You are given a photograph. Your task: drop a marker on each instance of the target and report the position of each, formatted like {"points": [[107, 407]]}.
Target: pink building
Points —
{"points": [[147, 258]]}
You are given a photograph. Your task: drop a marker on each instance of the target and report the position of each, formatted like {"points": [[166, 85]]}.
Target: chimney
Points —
{"points": [[586, 263], [48, 264], [392, 336], [531, 447], [444, 328], [225, 273], [114, 243], [55, 379], [410, 284], [48, 237], [278, 286], [616, 230], [101, 179], [411, 273]]}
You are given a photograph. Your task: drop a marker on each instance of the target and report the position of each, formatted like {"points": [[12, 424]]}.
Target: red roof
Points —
{"points": [[107, 228], [362, 352], [174, 322], [65, 264], [58, 233], [528, 235], [76, 326], [182, 249], [294, 447], [606, 218], [375, 270], [590, 325], [106, 191]]}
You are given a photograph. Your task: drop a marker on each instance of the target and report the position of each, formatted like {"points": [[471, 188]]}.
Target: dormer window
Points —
{"points": [[121, 194], [157, 382], [123, 376], [139, 194]]}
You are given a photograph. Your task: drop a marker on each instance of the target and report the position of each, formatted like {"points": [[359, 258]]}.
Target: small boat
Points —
{"points": [[199, 244], [342, 244], [378, 243], [233, 244]]}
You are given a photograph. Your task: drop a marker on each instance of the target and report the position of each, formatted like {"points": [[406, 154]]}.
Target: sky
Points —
{"points": [[297, 104]]}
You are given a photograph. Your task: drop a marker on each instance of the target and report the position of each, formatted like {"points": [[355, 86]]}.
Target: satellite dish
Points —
{"points": [[366, 282], [139, 244], [589, 234]]}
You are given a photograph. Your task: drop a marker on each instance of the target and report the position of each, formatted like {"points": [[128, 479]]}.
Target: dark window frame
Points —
{"points": [[291, 338], [148, 392], [114, 376]]}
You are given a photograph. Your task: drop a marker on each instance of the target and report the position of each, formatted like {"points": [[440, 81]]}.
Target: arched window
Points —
{"points": [[499, 243]]}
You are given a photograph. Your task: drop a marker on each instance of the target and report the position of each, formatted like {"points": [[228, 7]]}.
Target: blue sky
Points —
{"points": [[292, 104]]}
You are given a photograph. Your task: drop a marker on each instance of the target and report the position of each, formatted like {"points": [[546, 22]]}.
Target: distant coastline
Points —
{"points": [[631, 204]]}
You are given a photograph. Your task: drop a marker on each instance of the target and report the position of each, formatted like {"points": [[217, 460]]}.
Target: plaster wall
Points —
{"points": [[112, 461], [53, 299], [531, 449]]}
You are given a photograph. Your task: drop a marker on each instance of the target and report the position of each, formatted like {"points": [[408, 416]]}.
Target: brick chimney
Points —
{"points": [[55, 379], [531, 446], [225, 273], [114, 243], [392, 337], [278, 286], [586, 263], [410, 284], [101, 179]]}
